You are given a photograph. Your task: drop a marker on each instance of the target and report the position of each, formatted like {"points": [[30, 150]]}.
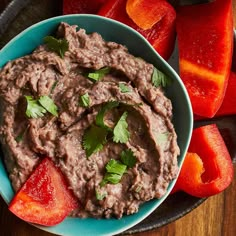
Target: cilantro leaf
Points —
{"points": [[34, 109], [54, 86], [120, 132], [115, 167], [160, 79], [84, 100], [162, 138], [60, 46], [19, 138], [48, 104], [128, 158], [124, 88], [111, 178], [101, 113], [93, 139], [98, 74], [100, 195], [115, 171]]}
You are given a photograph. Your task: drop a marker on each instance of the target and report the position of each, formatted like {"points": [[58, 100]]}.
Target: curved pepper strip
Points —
{"points": [[207, 169], [228, 107], [161, 35], [146, 13]]}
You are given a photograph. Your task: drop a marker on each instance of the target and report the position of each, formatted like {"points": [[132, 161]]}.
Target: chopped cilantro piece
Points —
{"points": [[124, 88], [38, 107], [84, 100], [93, 139], [111, 178], [160, 79], [120, 132], [138, 189], [115, 171], [162, 137], [115, 167], [128, 158], [48, 104], [101, 113], [34, 109], [54, 86], [98, 74], [19, 137], [100, 195], [60, 46]]}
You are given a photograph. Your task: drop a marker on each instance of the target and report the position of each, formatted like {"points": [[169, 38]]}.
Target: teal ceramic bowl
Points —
{"points": [[111, 30]]}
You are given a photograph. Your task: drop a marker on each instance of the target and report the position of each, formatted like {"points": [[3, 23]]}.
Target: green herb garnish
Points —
{"points": [[100, 116], [34, 109], [98, 74], [60, 46], [94, 138], [100, 195], [120, 132], [48, 104], [124, 88], [96, 135], [84, 100], [160, 79], [38, 107], [19, 137], [115, 171], [138, 189], [128, 158], [162, 137], [115, 167], [54, 86]]}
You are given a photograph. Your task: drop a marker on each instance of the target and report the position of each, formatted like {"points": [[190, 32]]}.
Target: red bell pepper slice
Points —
{"points": [[228, 106], [207, 169], [81, 6], [205, 40], [44, 198], [161, 35], [146, 13]]}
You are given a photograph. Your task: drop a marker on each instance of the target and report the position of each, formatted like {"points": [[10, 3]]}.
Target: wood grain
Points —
{"points": [[215, 217]]}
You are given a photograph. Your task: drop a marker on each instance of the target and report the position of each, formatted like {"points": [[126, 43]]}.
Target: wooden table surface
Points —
{"points": [[215, 217]]}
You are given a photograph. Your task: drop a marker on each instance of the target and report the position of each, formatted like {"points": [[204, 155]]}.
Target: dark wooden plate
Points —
{"points": [[19, 14]]}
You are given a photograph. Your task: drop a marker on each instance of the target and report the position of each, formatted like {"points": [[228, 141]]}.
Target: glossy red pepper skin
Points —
{"points": [[146, 13], [205, 41], [228, 106], [207, 169], [81, 6], [44, 198], [161, 35]]}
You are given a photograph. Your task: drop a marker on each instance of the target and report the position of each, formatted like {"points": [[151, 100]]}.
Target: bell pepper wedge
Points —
{"points": [[146, 13], [44, 198], [205, 42], [161, 36], [228, 107], [81, 6], [207, 169]]}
